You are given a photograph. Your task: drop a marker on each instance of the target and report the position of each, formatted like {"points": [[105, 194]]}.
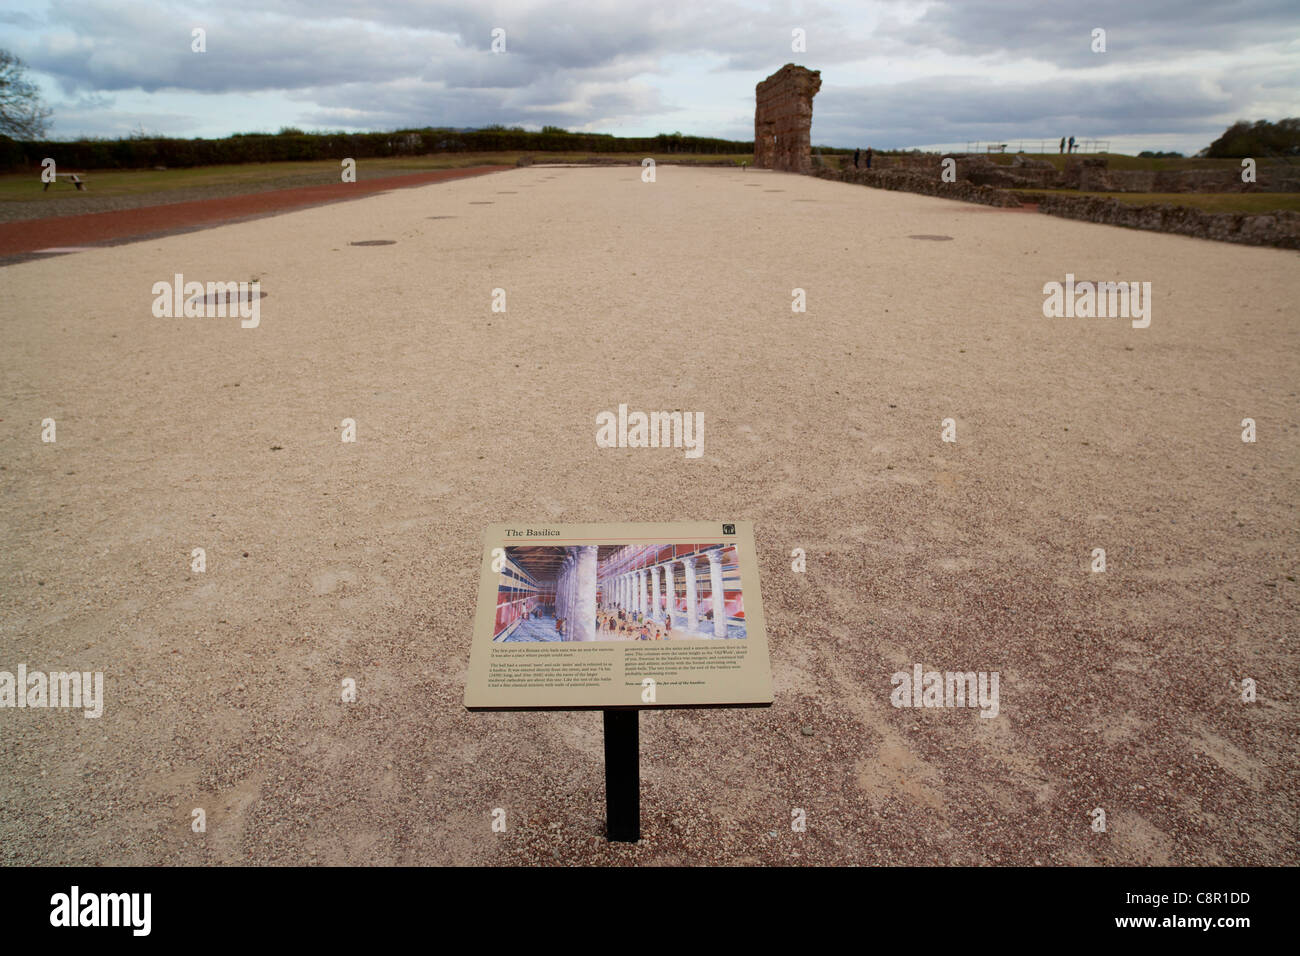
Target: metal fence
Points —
{"points": [[1037, 146]]}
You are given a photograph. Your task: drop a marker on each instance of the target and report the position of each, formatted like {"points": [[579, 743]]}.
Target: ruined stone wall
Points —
{"points": [[1094, 175], [1090, 174], [976, 169], [783, 119], [903, 180], [1281, 229]]}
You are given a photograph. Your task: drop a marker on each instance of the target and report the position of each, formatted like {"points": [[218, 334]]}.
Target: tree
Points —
{"points": [[22, 115], [1261, 138]]}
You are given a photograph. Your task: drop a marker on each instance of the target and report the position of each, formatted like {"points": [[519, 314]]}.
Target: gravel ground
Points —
{"points": [[329, 560]]}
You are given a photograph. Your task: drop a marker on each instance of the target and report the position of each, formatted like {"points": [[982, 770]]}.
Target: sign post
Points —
{"points": [[619, 618], [622, 776]]}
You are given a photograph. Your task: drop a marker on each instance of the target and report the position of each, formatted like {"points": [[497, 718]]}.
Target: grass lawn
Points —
{"points": [[1210, 202], [121, 182], [26, 187]]}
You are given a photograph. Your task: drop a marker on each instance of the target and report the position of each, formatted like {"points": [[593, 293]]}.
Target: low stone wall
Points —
{"points": [[1094, 175], [973, 167], [1280, 229], [1011, 177], [927, 185], [1088, 174]]}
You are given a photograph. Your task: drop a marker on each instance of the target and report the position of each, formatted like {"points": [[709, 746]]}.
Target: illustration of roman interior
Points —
{"points": [[643, 592]]}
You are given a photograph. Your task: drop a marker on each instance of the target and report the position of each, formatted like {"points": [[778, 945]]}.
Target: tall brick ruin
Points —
{"points": [[783, 119]]}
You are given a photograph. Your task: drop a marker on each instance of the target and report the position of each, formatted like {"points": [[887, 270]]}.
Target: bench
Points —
{"points": [[74, 178]]}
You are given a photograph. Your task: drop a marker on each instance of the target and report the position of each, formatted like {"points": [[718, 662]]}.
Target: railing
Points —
{"points": [[1035, 146]]}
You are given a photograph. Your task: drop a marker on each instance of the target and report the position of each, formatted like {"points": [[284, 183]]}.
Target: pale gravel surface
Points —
{"points": [[329, 560]]}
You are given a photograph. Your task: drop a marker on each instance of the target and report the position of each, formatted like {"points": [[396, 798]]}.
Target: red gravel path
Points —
{"points": [[31, 235]]}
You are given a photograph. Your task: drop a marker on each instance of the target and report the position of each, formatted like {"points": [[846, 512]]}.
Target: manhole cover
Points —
{"points": [[231, 300], [481, 202], [752, 186], [439, 217], [374, 242], [935, 238], [773, 190], [506, 192]]}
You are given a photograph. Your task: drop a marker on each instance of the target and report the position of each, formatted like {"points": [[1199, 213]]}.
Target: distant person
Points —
{"points": [[869, 155], [857, 154], [1062, 144], [1072, 144]]}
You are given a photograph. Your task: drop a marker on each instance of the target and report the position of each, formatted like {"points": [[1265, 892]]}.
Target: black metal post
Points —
{"points": [[622, 775]]}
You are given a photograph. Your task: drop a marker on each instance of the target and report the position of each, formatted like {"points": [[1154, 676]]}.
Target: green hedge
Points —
{"points": [[140, 153]]}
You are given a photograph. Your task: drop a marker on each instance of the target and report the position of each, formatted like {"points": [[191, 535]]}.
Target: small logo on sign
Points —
{"points": [[728, 529]]}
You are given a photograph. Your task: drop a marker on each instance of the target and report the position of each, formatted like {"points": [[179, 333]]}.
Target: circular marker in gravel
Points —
{"points": [[374, 242], [935, 238]]}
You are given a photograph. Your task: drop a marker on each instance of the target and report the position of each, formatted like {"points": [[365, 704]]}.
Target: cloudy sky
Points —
{"points": [[1174, 74]]}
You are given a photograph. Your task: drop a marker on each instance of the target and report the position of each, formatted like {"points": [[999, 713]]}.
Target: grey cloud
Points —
{"points": [[414, 63], [312, 44], [955, 109], [419, 106], [1061, 33]]}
